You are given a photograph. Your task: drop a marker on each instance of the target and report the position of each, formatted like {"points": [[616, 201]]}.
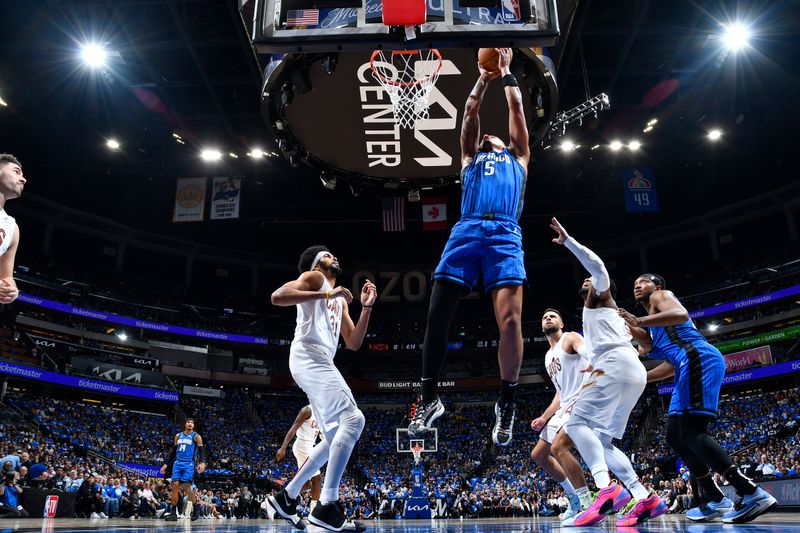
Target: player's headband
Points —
{"points": [[318, 258]]}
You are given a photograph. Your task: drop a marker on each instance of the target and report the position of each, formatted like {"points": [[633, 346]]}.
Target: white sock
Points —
{"points": [[619, 463], [601, 478], [568, 488], [316, 460], [340, 451]]}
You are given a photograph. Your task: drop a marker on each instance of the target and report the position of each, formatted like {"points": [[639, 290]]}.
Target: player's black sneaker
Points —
{"points": [[286, 507], [171, 517], [423, 415], [504, 413], [331, 517]]}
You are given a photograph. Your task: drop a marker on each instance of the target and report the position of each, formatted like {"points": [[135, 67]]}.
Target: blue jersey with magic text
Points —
{"points": [[185, 447], [493, 182]]}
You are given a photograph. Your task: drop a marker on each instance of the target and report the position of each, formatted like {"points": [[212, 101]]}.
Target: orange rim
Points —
{"points": [[384, 79]]}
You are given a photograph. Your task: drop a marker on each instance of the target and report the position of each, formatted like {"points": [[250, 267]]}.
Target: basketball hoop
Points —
{"points": [[408, 77], [417, 451]]}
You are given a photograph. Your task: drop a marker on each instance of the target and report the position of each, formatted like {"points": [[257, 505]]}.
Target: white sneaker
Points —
{"points": [[103, 515], [94, 515]]}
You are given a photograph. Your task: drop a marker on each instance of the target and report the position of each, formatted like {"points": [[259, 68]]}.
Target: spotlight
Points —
{"points": [[94, 55], [615, 146], [112, 144], [714, 135], [122, 336], [647, 129], [3, 102], [634, 145], [211, 155], [233, 155], [736, 36], [595, 147], [256, 153], [653, 122], [567, 146], [713, 327]]}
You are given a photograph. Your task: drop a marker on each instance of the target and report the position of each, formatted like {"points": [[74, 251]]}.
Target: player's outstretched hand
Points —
{"points": [[368, 293], [8, 290], [163, 469], [280, 454], [201, 468], [538, 423], [504, 61], [630, 319], [558, 228], [341, 292]]}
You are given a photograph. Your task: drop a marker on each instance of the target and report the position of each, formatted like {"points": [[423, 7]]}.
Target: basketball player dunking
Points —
{"points": [[604, 404], [322, 313], [186, 445], [667, 332], [11, 184], [566, 363], [307, 431], [486, 242]]}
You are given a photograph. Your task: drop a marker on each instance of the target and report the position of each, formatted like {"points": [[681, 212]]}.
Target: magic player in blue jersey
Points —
{"points": [[186, 446], [668, 333], [486, 243]]}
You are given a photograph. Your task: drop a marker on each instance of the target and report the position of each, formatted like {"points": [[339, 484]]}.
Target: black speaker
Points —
{"points": [[479, 3], [337, 3]]}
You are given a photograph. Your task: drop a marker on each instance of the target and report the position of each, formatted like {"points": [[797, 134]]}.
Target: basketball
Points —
{"points": [[489, 59]]}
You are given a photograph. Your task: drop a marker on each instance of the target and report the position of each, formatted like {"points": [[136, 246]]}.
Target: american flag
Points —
{"points": [[302, 17], [394, 214]]}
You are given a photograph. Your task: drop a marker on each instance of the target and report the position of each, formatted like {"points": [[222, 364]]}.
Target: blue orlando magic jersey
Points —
{"points": [[493, 182], [185, 447], [678, 343]]}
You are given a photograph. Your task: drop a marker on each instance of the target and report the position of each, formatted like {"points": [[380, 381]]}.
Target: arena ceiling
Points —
{"points": [[185, 67]]}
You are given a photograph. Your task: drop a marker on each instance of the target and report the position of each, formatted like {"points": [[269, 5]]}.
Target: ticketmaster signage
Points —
{"points": [[144, 470], [746, 375], [36, 374], [747, 302], [127, 321], [758, 340]]}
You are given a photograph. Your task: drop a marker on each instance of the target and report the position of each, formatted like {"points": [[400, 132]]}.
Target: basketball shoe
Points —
{"points": [[423, 415], [750, 506], [710, 510], [609, 500], [642, 511], [504, 414], [331, 517], [287, 508]]}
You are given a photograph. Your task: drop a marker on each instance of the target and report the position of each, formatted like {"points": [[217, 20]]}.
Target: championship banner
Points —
{"points": [[640, 190], [190, 200], [225, 199]]}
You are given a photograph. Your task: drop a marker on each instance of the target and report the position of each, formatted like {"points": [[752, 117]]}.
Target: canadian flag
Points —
{"points": [[434, 213]]}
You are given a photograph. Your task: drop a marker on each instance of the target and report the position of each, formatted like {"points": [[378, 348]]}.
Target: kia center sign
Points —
{"points": [[335, 114]]}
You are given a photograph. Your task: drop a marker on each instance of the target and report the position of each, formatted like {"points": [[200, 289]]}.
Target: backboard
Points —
{"points": [[429, 440], [302, 26]]}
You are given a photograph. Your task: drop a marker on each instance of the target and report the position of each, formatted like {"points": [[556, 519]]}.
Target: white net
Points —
{"points": [[408, 77], [417, 452]]}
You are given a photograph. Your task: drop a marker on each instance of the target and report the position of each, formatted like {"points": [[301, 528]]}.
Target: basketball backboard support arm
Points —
{"points": [[346, 29]]}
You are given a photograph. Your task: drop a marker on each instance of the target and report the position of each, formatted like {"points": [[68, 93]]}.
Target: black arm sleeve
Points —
{"points": [[201, 454], [171, 456]]}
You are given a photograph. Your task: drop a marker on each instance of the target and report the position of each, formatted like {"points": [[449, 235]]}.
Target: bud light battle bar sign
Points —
{"points": [[27, 372]]}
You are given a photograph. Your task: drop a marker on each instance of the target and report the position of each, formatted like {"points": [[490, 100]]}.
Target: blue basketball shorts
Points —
{"points": [[698, 380], [182, 471], [491, 249]]}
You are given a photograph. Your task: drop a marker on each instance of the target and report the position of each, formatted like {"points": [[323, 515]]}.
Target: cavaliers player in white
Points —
{"points": [[322, 314], [306, 429], [566, 362], [11, 184]]}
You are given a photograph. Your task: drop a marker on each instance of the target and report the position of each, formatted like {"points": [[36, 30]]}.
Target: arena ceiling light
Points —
{"points": [[3, 102], [567, 146], [256, 153], [122, 336], [714, 135], [736, 36], [634, 145], [94, 55], [713, 327], [112, 144], [615, 146], [211, 155]]}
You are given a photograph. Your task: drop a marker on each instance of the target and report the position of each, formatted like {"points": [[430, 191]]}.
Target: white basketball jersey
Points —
{"points": [[7, 226], [565, 371], [319, 322], [307, 433], [604, 330]]}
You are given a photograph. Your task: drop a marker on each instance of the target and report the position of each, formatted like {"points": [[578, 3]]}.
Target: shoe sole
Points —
{"points": [[644, 517], [710, 518], [323, 525], [277, 508], [426, 425], [762, 507]]}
